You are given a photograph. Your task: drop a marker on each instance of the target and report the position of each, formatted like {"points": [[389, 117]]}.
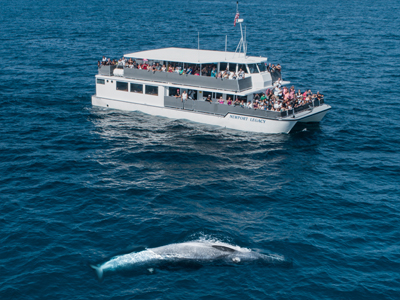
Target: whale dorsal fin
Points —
{"points": [[223, 248]]}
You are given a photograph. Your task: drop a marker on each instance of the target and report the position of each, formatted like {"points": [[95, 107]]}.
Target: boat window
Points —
{"points": [[243, 67], [210, 67], [174, 91], [205, 94], [192, 94], [240, 98], [232, 97], [262, 66], [137, 88], [100, 81], [217, 95], [223, 66], [151, 90], [122, 86], [253, 68], [232, 67]]}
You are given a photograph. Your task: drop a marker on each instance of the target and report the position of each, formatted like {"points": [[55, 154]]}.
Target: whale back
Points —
{"points": [[192, 250], [223, 248]]}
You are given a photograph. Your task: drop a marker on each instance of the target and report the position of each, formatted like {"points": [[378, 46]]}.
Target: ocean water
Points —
{"points": [[81, 184]]}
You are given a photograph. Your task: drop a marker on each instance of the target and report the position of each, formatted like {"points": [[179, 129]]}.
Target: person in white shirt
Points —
{"points": [[120, 63], [184, 96], [241, 74], [277, 91], [278, 83]]}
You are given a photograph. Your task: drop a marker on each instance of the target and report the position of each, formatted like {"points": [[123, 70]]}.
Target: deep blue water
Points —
{"points": [[80, 184]]}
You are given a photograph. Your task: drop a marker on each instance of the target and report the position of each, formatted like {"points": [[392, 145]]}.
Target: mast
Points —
{"points": [[242, 46]]}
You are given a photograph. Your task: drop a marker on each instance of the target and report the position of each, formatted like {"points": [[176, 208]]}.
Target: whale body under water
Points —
{"points": [[196, 251]]}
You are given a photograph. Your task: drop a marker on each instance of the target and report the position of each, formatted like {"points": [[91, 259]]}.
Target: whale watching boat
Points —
{"points": [[213, 87]]}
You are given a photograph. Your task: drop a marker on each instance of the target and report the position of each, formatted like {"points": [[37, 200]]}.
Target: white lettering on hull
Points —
{"points": [[257, 120]]}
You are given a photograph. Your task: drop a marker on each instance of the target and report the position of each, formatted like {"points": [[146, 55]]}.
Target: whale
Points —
{"points": [[194, 251]]}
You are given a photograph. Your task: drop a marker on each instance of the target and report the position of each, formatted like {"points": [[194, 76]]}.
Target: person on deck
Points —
{"points": [[184, 96], [241, 74], [214, 72]]}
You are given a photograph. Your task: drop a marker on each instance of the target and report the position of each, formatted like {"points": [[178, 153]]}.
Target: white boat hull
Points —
{"points": [[314, 116], [231, 121]]}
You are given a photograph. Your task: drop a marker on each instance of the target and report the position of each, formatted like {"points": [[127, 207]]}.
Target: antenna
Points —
{"points": [[226, 44], [242, 43], [245, 42]]}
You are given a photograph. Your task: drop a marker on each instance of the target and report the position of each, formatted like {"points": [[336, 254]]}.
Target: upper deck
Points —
{"points": [[196, 56], [255, 75]]}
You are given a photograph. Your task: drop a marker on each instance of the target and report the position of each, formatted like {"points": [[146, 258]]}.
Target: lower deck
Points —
{"points": [[165, 100], [232, 120]]}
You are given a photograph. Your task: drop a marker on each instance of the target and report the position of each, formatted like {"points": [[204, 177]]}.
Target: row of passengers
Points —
{"points": [[122, 62], [274, 102], [273, 68], [273, 105], [288, 100], [290, 94], [208, 70]]}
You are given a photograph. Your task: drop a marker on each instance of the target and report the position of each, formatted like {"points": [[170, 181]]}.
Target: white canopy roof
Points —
{"points": [[195, 56]]}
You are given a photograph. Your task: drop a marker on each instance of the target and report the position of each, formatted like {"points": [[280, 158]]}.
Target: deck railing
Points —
{"points": [[224, 109], [218, 109], [107, 70], [204, 82]]}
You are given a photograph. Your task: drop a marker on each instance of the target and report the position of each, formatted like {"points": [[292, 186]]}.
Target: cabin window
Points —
{"points": [[205, 94], [217, 95], [243, 67], [262, 66], [232, 97], [253, 68], [174, 91], [151, 90], [122, 86], [192, 94], [210, 68], [223, 66], [232, 67], [100, 81], [137, 88], [240, 98]]}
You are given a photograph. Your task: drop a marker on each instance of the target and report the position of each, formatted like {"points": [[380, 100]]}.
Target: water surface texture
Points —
{"points": [[81, 184]]}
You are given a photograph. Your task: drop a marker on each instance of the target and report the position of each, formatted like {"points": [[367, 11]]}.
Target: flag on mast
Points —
{"points": [[237, 14], [236, 18]]}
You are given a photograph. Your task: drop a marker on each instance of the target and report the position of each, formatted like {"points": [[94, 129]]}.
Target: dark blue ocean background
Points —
{"points": [[80, 184]]}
